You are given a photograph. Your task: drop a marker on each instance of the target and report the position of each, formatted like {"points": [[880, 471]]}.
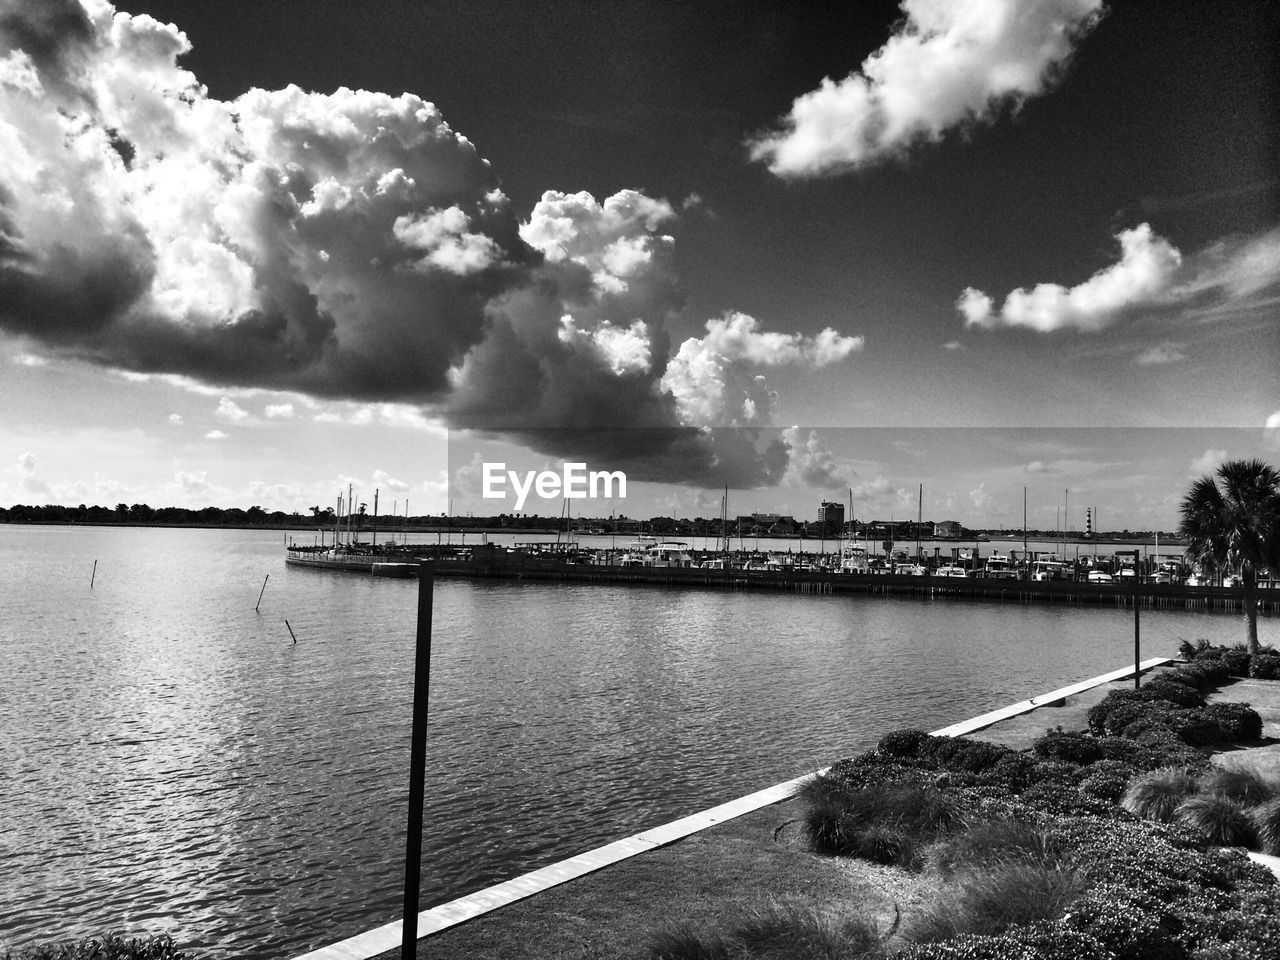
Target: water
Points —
{"points": [[171, 762]]}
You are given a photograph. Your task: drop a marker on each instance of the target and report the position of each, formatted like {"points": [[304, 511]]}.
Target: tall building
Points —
{"points": [[831, 516]]}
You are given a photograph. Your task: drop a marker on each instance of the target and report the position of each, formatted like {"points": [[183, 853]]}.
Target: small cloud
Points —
{"points": [[27, 462], [228, 409], [175, 419], [953, 345], [279, 411], [691, 202], [1161, 354], [215, 435], [1036, 466], [980, 498], [1273, 421], [30, 360], [1207, 462]]}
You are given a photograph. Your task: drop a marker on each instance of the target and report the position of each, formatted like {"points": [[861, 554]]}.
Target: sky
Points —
{"points": [[251, 253]]}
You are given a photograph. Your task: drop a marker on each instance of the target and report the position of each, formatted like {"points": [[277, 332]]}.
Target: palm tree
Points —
{"points": [[1231, 524]]}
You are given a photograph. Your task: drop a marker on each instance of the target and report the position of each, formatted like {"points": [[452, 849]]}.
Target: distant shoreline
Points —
{"points": [[993, 541]]}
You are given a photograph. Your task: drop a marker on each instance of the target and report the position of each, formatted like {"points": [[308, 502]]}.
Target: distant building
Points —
{"points": [[831, 517], [947, 528]]}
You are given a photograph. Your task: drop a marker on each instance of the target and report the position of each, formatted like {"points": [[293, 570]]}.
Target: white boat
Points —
{"points": [[951, 571]]}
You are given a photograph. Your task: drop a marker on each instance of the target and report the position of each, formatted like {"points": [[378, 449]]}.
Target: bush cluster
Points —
{"points": [[1095, 844], [111, 946]]}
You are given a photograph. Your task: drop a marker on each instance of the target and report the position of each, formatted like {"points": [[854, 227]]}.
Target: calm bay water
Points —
{"points": [[171, 762]]}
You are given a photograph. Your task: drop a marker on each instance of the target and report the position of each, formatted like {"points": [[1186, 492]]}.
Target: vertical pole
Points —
{"points": [[1137, 656], [417, 764], [93, 576], [261, 592]]}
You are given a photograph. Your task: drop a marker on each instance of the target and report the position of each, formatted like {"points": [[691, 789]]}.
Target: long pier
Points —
{"points": [[497, 564]]}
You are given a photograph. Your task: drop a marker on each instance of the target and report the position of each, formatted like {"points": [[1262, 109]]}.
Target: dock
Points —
{"points": [[489, 562]]}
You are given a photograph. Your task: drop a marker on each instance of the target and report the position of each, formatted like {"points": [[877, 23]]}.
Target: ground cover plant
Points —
{"points": [[108, 947], [1117, 841]]}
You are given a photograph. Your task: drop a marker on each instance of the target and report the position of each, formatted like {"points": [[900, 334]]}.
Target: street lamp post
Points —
{"points": [[417, 764]]}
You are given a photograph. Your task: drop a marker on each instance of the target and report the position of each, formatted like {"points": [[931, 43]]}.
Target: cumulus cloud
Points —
{"points": [[811, 464], [175, 420], [949, 63], [215, 435], [714, 378], [1144, 275], [278, 411], [231, 411], [1273, 421], [1232, 276], [354, 247]]}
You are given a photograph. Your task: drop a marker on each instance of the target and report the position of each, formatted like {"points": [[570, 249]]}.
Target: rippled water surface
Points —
{"points": [[171, 762]]}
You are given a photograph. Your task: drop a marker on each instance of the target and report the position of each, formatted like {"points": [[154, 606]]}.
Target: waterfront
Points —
{"points": [[174, 763]]}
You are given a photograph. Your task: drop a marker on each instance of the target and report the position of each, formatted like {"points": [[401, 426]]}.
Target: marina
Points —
{"points": [[1007, 579]]}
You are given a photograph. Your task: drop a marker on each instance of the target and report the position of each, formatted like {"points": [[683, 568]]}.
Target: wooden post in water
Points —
{"points": [[261, 592], [93, 576], [417, 763]]}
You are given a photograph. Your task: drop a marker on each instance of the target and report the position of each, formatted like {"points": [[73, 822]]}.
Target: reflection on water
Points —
{"points": [[173, 763]]}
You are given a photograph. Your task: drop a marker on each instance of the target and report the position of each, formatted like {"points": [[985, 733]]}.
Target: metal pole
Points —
{"points": [[261, 592], [417, 763], [1137, 655]]}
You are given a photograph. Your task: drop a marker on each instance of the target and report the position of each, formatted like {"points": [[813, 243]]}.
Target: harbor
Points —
{"points": [[965, 575]]}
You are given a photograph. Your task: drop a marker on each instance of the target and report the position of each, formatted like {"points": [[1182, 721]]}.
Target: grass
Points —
{"points": [[884, 824], [1266, 823], [1246, 786], [992, 899], [1217, 819], [787, 930], [995, 842], [1156, 795]]}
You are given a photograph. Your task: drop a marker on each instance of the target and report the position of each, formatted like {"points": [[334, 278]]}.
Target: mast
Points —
{"points": [[919, 519], [1024, 529], [375, 517]]}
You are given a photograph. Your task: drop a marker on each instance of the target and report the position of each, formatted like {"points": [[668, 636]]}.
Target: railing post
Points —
{"points": [[417, 763]]}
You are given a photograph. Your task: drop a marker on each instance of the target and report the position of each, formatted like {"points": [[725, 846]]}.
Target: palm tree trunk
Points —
{"points": [[1249, 581]]}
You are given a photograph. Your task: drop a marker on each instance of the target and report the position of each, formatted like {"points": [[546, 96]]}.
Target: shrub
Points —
{"points": [[1216, 819], [1168, 688], [1157, 794], [992, 899], [1207, 672], [1236, 660], [1131, 924], [1266, 824], [1243, 785], [1190, 650], [1265, 666], [1037, 941], [112, 946], [1238, 721], [1107, 780], [1073, 746], [902, 743], [1099, 712], [963, 754]]}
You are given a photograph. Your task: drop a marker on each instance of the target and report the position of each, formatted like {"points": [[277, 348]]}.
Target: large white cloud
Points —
{"points": [[949, 62], [1232, 276], [348, 245]]}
